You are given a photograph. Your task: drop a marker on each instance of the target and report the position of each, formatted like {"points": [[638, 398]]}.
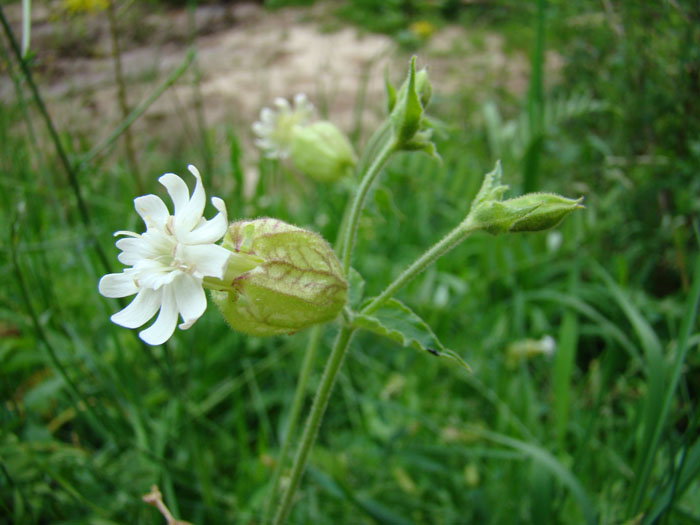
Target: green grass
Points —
{"points": [[604, 431]]}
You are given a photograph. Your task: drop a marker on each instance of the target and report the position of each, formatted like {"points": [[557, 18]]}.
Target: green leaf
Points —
{"points": [[398, 322], [390, 92], [491, 189], [356, 286], [421, 142]]}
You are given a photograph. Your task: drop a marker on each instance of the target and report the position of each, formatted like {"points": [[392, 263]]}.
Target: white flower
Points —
{"points": [[169, 261], [275, 127]]}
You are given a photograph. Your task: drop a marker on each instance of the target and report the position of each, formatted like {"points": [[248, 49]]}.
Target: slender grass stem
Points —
{"points": [[139, 110], [318, 409], [297, 404], [121, 93], [359, 202], [439, 249], [658, 426], [62, 155], [97, 422], [197, 87]]}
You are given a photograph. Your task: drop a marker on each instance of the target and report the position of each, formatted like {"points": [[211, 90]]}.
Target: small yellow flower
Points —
{"points": [[422, 29], [85, 6]]}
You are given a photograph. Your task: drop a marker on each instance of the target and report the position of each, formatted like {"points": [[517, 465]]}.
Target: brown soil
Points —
{"points": [[247, 56]]}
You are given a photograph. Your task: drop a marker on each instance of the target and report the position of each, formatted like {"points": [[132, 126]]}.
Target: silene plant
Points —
{"points": [[268, 277]]}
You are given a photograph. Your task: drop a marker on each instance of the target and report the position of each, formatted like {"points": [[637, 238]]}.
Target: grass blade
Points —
{"points": [[548, 461], [563, 368]]}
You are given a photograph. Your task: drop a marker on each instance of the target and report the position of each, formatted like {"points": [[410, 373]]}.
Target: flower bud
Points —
{"points": [[548, 210], [298, 281], [527, 213], [407, 112], [322, 151], [424, 87]]}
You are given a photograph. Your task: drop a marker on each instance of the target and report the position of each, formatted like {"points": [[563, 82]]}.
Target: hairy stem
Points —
{"points": [[313, 422], [452, 239], [297, 403], [359, 202]]}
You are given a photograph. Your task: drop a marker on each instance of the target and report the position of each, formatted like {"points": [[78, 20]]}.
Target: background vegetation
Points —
{"points": [[604, 430]]}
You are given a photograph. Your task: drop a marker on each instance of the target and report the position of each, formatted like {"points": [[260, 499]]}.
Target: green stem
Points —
{"points": [[197, 87], [345, 242], [138, 111], [359, 202], [318, 408], [121, 93], [297, 403], [97, 423], [452, 239], [62, 155], [298, 400]]}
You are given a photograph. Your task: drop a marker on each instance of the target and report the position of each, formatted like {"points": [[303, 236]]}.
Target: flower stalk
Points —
{"points": [[359, 202], [297, 403], [452, 239], [318, 409]]}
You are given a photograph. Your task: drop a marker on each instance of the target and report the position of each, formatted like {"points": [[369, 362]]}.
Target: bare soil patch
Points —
{"points": [[247, 56]]}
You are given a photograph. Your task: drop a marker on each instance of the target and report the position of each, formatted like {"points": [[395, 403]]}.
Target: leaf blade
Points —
{"points": [[398, 322]]}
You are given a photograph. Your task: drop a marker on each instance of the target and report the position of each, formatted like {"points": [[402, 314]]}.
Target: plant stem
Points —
{"points": [[197, 86], [63, 157], [298, 400], [98, 423], [359, 202], [318, 408], [297, 403], [121, 93], [138, 111], [452, 239]]}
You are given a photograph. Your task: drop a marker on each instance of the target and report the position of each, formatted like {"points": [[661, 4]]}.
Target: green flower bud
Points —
{"points": [[548, 210], [407, 112], [297, 282], [527, 213], [322, 151], [424, 87]]}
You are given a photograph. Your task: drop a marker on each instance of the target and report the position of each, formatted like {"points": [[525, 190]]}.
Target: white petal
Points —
{"points": [[133, 250], [267, 116], [154, 274], [160, 331], [127, 233], [177, 189], [140, 310], [300, 99], [187, 217], [152, 210], [208, 232], [208, 259], [282, 104], [117, 285], [260, 129], [190, 299]]}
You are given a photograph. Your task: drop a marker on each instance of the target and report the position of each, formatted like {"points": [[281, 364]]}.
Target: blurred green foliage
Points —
{"points": [[91, 418]]}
